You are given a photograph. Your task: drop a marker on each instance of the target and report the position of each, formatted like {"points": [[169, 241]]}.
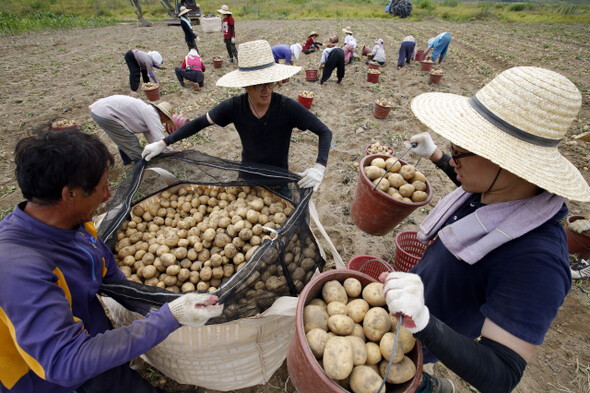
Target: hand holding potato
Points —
{"points": [[195, 309], [404, 293]]}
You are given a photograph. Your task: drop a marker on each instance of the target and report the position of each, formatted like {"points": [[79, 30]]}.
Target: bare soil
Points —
{"points": [[59, 73]]}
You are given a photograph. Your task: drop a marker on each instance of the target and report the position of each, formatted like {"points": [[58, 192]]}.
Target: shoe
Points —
{"points": [[581, 270], [133, 92], [231, 60], [197, 87], [339, 80], [442, 385]]}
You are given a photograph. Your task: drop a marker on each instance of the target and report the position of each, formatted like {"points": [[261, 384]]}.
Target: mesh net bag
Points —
{"points": [[187, 222], [401, 8]]}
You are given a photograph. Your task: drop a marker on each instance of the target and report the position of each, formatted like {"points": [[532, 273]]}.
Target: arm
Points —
{"points": [[151, 74], [424, 147], [190, 128]]}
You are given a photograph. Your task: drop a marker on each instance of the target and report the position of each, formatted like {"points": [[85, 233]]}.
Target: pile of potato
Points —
{"points": [[307, 94], [351, 333], [195, 237], [401, 181], [383, 102], [436, 72], [149, 86], [63, 123], [217, 58], [581, 226], [378, 148], [373, 71]]}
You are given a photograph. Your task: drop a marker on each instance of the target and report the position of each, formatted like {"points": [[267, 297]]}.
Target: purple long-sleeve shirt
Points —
{"points": [[282, 51]]}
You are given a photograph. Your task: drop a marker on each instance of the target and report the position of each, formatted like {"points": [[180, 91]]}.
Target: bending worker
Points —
{"points": [[263, 119], [498, 267]]}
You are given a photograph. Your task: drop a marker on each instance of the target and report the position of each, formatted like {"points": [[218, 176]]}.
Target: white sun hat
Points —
{"points": [[156, 57], [296, 50], [183, 10], [224, 10], [256, 65], [516, 121]]}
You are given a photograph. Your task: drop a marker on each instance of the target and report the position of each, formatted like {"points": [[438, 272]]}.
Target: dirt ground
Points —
{"points": [[51, 74]]}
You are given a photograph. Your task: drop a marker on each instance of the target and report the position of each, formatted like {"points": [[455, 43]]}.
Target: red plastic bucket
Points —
{"points": [[420, 55], [311, 75], [380, 111], [426, 65], [373, 66], [305, 101], [217, 63], [366, 50], [334, 39], [376, 212], [435, 79], [369, 265], [408, 251], [305, 371], [577, 243], [152, 94], [373, 78]]}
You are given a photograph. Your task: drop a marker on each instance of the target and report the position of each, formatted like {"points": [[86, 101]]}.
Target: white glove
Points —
{"points": [[195, 309], [404, 293], [425, 147], [312, 177], [233, 40], [152, 150]]}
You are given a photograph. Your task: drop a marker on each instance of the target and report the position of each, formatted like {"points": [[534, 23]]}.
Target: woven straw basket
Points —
{"points": [[228, 356]]}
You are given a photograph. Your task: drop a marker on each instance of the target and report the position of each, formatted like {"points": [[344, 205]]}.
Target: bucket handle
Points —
{"points": [[400, 318], [412, 145], [375, 260]]}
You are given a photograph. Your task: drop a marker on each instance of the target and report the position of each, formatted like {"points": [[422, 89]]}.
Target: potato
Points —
{"points": [[378, 162], [333, 291], [419, 185], [396, 180], [419, 196], [382, 184], [406, 190], [418, 176], [373, 294], [364, 379], [393, 168], [317, 339], [319, 302], [408, 172], [352, 286], [358, 332], [314, 317], [357, 309], [335, 308], [340, 324], [376, 323], [168, 259], [400, 372], [405, 339], [374, 172], [373, 353], [338, 358], [359, 350], [386, 347]]}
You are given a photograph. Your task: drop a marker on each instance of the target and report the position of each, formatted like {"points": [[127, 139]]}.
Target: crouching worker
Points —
{"points": [[192, 68], [52, 326]]}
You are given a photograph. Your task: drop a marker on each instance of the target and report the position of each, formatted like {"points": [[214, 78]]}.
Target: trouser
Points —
{"points": [[405, 53], [335, 60], [190, 42], [120, 379], [126, 141], [135, 71], [192, 75], [441, 48], [309, 50], [348, 52], [231, 48]]}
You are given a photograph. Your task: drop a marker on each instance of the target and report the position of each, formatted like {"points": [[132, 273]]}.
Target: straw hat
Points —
{"points": [[515, 121], [166, 108], [256, 65], [183, 10], [314, 34], [224, 10], [347, 30]]}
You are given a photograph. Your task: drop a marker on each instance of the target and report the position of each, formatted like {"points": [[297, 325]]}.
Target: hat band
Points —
{"points": [[255, 68], [509, 128]]}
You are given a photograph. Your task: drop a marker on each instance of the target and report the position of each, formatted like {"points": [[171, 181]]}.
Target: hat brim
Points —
{"points": [[452, 117], [274, 73], [183, 12], [224, 12], [165, 112]]}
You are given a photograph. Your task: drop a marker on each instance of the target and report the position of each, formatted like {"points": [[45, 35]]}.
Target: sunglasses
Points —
{"points": [[265, 85], [456, 156]]}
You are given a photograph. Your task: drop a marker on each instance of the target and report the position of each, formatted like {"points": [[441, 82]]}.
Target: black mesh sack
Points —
{"points": [[187, 222]]}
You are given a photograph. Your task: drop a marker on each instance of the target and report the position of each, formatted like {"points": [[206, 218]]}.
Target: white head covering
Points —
{"points": [[296, 50], [379, 42], [156, 57], [193, 52]]}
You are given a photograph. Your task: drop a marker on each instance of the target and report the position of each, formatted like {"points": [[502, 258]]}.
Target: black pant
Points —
{"points": [[405, 53], [191, 75], [120, 379], [231, 48], [335, 60], [135, 71], [190, 41]]}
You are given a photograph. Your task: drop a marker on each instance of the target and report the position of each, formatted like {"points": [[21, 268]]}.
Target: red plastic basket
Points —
{"points": [[369, 265], [408, 251]]}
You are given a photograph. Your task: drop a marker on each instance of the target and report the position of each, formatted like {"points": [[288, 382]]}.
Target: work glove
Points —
{"points": [[312, 177], [425, 147], [233, 40], [195, 309], [404, 293], [152, 150]]}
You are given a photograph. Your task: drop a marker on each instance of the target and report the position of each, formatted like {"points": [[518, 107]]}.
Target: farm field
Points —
{"points": [[59, 73]]}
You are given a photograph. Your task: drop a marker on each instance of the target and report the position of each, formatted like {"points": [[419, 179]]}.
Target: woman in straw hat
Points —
{"points": [[350, 44], [498, 267], [142, 63], [263, 119], [310, 44], [229, 32], [122, 117], [187, 28]]}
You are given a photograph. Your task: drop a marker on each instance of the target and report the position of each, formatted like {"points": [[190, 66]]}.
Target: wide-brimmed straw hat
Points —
{"points": [[256, 65], [314, 33], [515, 121], [347, 30], [224, 10], [166, 108], [183, 10]]}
